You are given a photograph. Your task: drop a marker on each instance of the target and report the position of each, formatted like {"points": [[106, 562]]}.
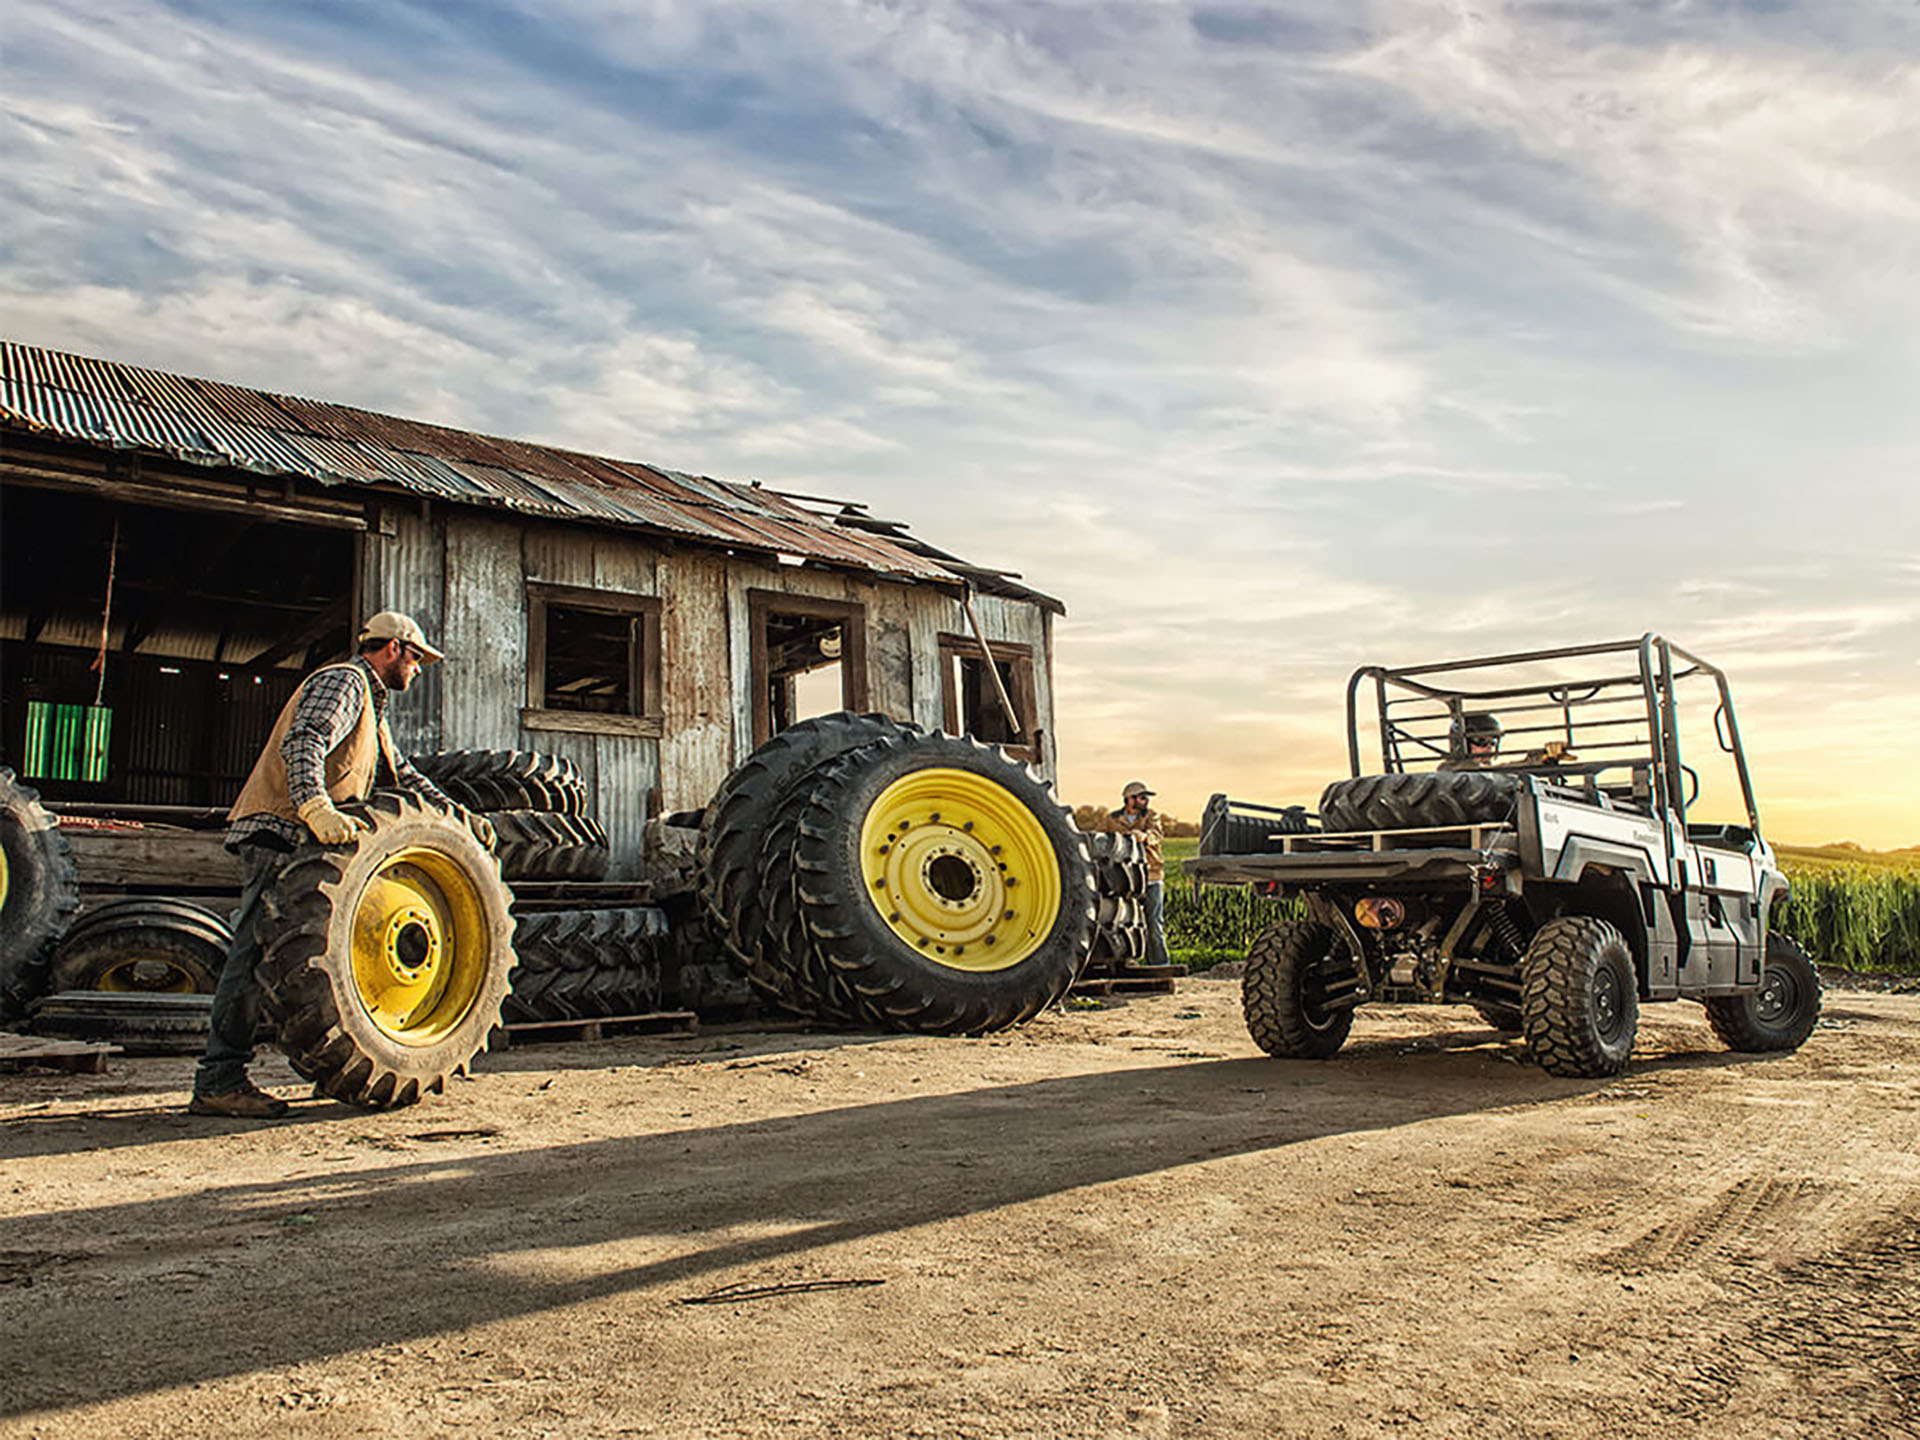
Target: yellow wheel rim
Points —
{"points": [[960, 869], [420, 942], [146, 975], [5, 878]]}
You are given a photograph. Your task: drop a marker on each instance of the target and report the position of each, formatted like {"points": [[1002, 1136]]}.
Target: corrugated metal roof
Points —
{"points": [[127, 407]]}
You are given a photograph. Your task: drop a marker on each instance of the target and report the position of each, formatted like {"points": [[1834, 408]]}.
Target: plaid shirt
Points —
{"points": [[328, 709]]}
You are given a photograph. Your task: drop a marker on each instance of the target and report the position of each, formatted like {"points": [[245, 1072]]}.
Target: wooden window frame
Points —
{"points": [[645, 667], [852, 616], [1025, 697]]}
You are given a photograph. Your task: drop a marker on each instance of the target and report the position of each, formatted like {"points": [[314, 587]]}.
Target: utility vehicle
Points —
{"points": [[1554, 887]]}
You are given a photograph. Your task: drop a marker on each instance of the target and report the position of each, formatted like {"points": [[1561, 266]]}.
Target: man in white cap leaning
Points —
{"points": [[1135, 817], [331, 744]]}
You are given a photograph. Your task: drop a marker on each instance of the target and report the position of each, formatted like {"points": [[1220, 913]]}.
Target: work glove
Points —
{"points": [[481, 827], [1557, 750], [328, 825]]}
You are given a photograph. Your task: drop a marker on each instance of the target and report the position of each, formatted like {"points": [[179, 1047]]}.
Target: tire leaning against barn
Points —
{"points": [[1579, 997], [734, 826], [39, 893], [1412, 800], [150, 946], [945, 884], [386, 961], [1781, 1013], [488, 780], [1293, 988], [586, 964]]}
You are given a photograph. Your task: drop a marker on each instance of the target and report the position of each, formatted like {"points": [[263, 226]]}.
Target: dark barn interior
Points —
{"points": [[210, 619]]}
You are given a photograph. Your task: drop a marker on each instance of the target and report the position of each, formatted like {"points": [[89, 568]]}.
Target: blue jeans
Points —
{"points": [[236, 997], [1157, 923]]}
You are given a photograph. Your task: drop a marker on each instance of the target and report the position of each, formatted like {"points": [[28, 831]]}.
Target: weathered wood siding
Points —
{"points": [[464, 576]]}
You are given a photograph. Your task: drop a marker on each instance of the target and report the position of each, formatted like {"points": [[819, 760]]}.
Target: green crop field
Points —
{"points": [[1849, 907]]}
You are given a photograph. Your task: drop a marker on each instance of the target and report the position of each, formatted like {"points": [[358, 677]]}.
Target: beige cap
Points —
{"points": [[392, 625], [1134, 787]]}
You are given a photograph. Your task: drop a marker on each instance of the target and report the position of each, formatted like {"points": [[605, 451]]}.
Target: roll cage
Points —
{"points": [[1624, 724]]}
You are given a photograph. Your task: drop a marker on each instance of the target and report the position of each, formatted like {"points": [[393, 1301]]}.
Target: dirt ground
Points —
{"points": [[1115, 1222]]}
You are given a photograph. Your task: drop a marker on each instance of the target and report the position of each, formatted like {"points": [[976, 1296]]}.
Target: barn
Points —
{"points": [[175, 553]]}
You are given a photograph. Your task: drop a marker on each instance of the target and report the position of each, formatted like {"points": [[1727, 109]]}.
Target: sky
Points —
{"points": [[1275, 340]]}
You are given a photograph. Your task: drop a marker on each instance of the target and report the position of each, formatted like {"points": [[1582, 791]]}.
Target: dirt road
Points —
{"points": [[1121, 1222]]}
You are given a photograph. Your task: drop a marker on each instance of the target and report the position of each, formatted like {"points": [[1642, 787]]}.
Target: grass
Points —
{"points": [[1849, 907]]}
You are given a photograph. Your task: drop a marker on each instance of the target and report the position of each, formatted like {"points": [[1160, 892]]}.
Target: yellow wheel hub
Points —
{"points": [[420, 946], [960, 869]]}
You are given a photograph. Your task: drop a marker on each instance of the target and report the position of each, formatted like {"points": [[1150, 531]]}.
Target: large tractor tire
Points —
{"points": [[1781, 1013], [787, 968], [1298, 990], [547, 845], [587, 964], [144, 946], [39, 893], [1416, 800], [945, 884], [1579, 998], [488, 780], [734, 827], [386, 961]]}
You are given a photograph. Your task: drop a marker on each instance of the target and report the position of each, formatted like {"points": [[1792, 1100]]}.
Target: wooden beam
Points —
{"points": [[308, 635]]}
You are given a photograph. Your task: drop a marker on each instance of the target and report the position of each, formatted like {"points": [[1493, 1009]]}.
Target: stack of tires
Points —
{"points": [[866, 872], [537, 804], [1120, 916], [587, 964], [39, 894]]}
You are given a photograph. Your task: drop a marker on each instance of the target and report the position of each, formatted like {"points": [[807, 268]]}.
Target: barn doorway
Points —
{"points": [[145, 651]]}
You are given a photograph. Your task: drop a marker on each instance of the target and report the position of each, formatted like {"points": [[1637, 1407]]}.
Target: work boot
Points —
{"points": [[249, 1102]]}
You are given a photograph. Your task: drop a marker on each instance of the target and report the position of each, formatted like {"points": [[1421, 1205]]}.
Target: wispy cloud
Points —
{"points": [[1274, 338]]}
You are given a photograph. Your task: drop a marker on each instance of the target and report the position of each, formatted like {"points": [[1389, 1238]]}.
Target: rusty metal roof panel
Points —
{"points": [[100, 402]]}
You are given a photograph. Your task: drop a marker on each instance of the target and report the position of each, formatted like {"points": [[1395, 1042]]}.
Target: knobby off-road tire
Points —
{"points": [[387, 960], [1297, 991], [489, 780], [138, 945], [1579, 998], [586, 964], [39, 893], [945, 884], [1781, 1013], [734, 827], [543, 845], [1411, 801]]}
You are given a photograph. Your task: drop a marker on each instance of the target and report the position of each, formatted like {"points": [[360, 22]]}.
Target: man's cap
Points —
{"points": [[1134, 787], [392, 625]]}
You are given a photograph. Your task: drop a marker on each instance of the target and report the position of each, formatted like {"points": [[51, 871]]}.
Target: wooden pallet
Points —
{"points": [[1126, 978], [79, 1057], [671, 1023]]}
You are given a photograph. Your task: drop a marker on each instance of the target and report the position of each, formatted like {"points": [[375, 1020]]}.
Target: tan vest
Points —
{"points": [[347, 773]]}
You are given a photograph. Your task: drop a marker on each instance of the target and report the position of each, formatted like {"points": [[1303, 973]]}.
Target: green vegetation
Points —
{"points": [[1849, 907]]}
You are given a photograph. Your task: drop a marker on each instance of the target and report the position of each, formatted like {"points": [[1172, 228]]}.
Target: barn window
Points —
{"points": [[808, 656], [593, 661], [972, 701]]}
